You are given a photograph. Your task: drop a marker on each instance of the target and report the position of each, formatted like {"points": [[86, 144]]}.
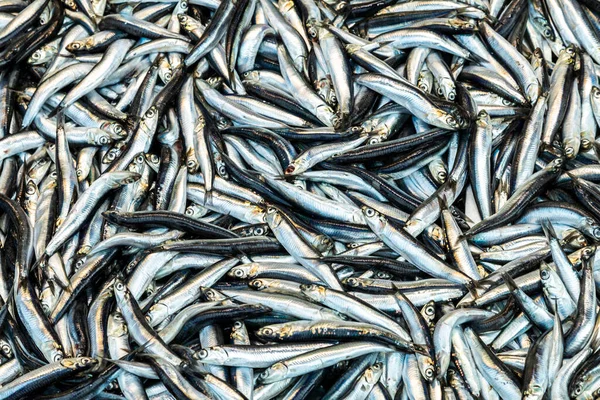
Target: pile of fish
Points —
{"points": [[300, 199]]}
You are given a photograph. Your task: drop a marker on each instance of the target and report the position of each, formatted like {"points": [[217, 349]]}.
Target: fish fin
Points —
{"points": [[472, 286], [481, 284], [510, 282], [548, 229], [420, 349], [467, 235], [443, 200], [56, 111]]}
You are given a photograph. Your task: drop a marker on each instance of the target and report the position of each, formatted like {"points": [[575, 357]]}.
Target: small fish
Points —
{"points": [[312, 199]]}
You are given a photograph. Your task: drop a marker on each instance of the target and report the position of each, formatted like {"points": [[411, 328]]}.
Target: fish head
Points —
{"points": [[268, 332], [75, 46], [253, 76], [53, 350], [427, 368], [296, 167], [116, 326], [374, 219], [115, 129], [243, 271], [273, 217], [211, 355], [555, 165], [120, 178], [121, 289], [571, 147], [157, 313], [258, 284], [99, 136], [442, 119], [79, 363], [274, 373], [314, 292]]}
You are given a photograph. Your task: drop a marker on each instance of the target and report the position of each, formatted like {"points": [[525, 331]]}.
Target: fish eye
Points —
{"points": [[150, 113], [257, 284], [238, 273], [451, 96], [259, 231], [558, 162], [336, 121], [190, 164], [120, 286], [264, 374], [203, 353], [290, 169], [271, 210], [57, 357], [451, 121], [544, 274], [266, 331], [429, 372], [369, 212], [590, 221], [352, 282]]}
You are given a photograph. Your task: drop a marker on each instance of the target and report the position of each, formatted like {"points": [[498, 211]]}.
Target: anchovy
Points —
{"points": [[322, 199]]}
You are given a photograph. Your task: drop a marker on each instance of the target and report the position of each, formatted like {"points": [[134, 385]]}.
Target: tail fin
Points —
{"points": [[510, 282], [548, 229]]}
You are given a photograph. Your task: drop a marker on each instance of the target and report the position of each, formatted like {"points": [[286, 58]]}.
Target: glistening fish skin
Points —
{"points": [[293, 200]]}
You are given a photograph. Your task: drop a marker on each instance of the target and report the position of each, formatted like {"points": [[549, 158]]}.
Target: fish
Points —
{"points": [[312, 199]]}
